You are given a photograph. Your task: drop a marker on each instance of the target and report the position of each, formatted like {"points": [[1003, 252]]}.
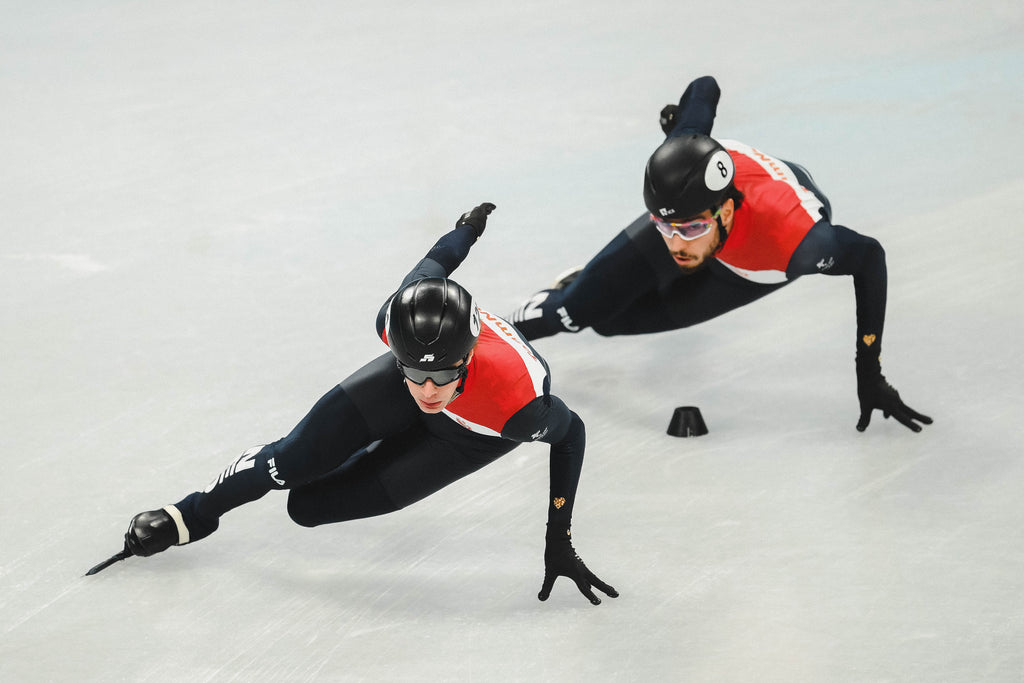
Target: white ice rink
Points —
{"points": [[202, 206]]}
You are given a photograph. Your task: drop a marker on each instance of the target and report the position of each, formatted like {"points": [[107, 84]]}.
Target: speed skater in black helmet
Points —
{"points": [[458, 388], [726, 224]]}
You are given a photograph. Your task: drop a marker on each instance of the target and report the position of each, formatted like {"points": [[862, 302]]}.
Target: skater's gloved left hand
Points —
{"points": [[560, 559], [476, 218], [874, 393], [668, 117]]}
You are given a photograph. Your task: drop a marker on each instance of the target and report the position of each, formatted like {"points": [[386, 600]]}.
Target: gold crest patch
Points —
{"points": [[869, 339], [559, 502]]}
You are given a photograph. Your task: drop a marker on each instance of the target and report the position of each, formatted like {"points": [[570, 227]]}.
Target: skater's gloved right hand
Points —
{"points": [[476, 218], [560, 559], [873, 392]]}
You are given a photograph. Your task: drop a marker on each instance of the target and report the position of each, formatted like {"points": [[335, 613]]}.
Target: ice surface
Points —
{"points": [[203, 204]]}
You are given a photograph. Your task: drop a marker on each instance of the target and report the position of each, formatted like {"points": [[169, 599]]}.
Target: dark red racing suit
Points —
{"points": [[504, 377], [776, 214]]}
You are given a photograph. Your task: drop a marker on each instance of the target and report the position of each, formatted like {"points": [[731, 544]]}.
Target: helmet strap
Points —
{"points": [[723, 234], [462, 380]]}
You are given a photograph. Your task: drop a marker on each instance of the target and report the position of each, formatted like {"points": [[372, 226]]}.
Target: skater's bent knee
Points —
{"points": [[338, 499], [605, 331], [302, 513]]}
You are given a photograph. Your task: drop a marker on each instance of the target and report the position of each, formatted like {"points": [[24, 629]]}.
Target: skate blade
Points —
{"points": [[117, 557]]}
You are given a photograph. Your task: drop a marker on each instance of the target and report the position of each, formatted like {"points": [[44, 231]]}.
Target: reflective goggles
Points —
{"points": [[689, 230], [439, 377]]}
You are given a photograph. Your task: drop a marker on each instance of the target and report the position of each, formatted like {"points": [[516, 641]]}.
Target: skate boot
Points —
{"points": [[565, 279], [153, 532]]}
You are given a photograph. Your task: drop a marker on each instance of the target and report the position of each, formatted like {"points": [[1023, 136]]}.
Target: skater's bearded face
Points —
{"points": [[694, 253]]}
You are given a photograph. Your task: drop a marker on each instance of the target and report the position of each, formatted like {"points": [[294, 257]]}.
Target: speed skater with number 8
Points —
{"points": [[725, 225]]}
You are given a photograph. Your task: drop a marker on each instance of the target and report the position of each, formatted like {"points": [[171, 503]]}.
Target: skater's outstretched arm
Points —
{"points": [[548, 419], [447, 253]]}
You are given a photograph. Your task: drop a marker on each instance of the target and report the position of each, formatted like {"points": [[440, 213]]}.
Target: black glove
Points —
{"points": [[476, 218], [668, 117], [560, 559], [875, 393]]}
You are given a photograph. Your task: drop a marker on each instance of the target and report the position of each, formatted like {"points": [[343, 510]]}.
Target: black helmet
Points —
{"points": [[686, 176], [431, 324]]}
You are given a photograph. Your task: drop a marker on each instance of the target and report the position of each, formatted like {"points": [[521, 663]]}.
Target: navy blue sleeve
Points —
{"points": [[697, 107], [441, 261], [837, 250], [548, 419]]}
